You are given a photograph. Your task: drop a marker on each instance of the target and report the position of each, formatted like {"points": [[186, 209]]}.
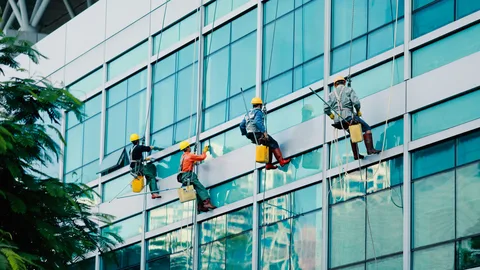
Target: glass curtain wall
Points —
{"points": [[174, 97], [230, 64], [292, 46], [126, 258], [172, 250]]}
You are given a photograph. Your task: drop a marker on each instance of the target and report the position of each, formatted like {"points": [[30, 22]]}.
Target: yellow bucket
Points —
{"points": [[356, 133], [137, 184], [187, 193], [262, 154]]}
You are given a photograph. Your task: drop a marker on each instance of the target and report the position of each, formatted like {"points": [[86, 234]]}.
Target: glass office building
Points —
{"points": [[181, 69]]}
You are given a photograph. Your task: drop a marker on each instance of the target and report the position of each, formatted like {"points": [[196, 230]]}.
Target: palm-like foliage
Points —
{"points": [[44, 224]]}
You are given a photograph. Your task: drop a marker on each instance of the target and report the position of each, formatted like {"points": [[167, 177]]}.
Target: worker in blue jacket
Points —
{"points": [[253, 127]]}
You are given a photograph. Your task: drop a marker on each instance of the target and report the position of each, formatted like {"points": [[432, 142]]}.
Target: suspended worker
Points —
{"points": [[253, 127], [186, 174], [138, 168], [343, 100]]}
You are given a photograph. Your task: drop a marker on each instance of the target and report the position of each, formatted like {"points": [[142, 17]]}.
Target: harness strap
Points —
{"points": [[180, 169]]}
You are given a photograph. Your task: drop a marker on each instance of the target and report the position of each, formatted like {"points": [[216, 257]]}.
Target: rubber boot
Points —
{"points": [[367, 137], [278, 155], [208, 204], [269, 165], [201, 208], [356, 155]]}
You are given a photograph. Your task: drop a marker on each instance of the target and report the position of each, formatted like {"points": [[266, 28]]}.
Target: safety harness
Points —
{"points": [[342, 124], [136, 170]]}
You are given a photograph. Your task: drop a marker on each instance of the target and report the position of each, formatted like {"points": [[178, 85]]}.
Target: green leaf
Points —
{"points": [[16, 204], [15, 261]]}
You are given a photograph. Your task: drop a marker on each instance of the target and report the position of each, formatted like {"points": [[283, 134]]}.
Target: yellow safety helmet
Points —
{"points": [[134, 137], [184, 145], [257, 101], [338, 79]]}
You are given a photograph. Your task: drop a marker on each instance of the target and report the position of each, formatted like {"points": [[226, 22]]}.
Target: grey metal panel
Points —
{"points": [[167, 196], [84, 64], [313, 179], [127, 38], [376, 108], [85, 31], [227, 166], [443, 82], [176, 9], [407, 194], [122, 207], [53, 48], [119, 15], [57, 78]]}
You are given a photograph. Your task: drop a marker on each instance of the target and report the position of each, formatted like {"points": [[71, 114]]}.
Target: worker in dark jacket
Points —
{"points": [[344, 100], [253, 127], [137, 167], [188, 175]]}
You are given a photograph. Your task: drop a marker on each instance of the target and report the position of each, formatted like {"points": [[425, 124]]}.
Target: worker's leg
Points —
{"points": [[202, 192], [275, 148], [367, 136], [354, 146], [150, 172]]}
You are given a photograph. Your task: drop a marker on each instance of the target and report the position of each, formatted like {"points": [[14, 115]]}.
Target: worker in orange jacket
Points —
{"points": [[186, 174]]}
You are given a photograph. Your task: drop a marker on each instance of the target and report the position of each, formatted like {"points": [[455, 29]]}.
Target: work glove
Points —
{"points": [[359, 113], [205, 149], [157, 148], [332, 116], [148, 158]]}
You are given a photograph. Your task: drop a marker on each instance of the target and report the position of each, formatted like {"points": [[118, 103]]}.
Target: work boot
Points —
{"points": [[269, 165], [156, 196], [367, 137], [208, 204], [356, 155], [279, 157], [201, 208]]}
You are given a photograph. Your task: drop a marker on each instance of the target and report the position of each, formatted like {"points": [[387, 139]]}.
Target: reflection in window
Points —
{"points": [[426, 121], [83, 143], [296, 58], [127, 258], [174, 97], [291, 230], [341, 152], [378, 192], [429, 15], [127, 61], [175, 33], [87, 84], [113, 188], [88, 264], [168, 214], [168, 165], [440, 52], [433, 159], [226, 241], [232, 191], [172, 250], [225, 143], [230, 59], [373, 31], [302, 166], [295, 113], [223, 7], [126, 107], [127, 228]]}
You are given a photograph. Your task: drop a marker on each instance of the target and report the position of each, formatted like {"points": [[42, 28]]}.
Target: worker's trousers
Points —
{"points": [[202, 192], [150, 173], [270, 142]]}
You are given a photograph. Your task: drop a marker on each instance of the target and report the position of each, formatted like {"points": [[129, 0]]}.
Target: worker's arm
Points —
{"points": [[355, 100], [201, 157], [327, 108], [243, 128], [259, 121]]}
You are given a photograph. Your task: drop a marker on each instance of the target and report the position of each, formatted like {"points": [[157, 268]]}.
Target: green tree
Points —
{"points": [[44, 223]]}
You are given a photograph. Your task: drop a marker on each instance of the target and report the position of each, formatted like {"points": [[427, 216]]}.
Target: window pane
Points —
{"points": [[420, 3], [438, 258], [163, 138], [271, 11], [276, 209], [301, 166], [390, 263], [275, 245], [128, 256], [468, 148], [467, 252], [347, 233], [216, 77], [128, 60], [232, 191], [88, 264], [188, 56], [312, 30], [244, 25], [112, 188], [386, 221], [243, 69], [91, 146], [466, 7], [307, 199], [426, 122], [215, 115], [90, 172], [186, 92], [306, 248], [137, 82], [164, 68], [221, 38], [87, 84], [433, 159], [237, 103], [186, 129], [384, 175], [239, 252], [93, 106], [240, 221], [127, 228], [341, 55], [342, 20], [433, 17], [74, 146], [382, 39], [115, 133], [468, 212], [282, 47], [213, 229], [212, 256], [312, 72], [218, 9], [382, 75], [169, 165], [225, 143], [278, 87], [383, 12], [433, 209], [135, 115], [440, 53], [348, 186], [117, 93], [163, 104]]}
